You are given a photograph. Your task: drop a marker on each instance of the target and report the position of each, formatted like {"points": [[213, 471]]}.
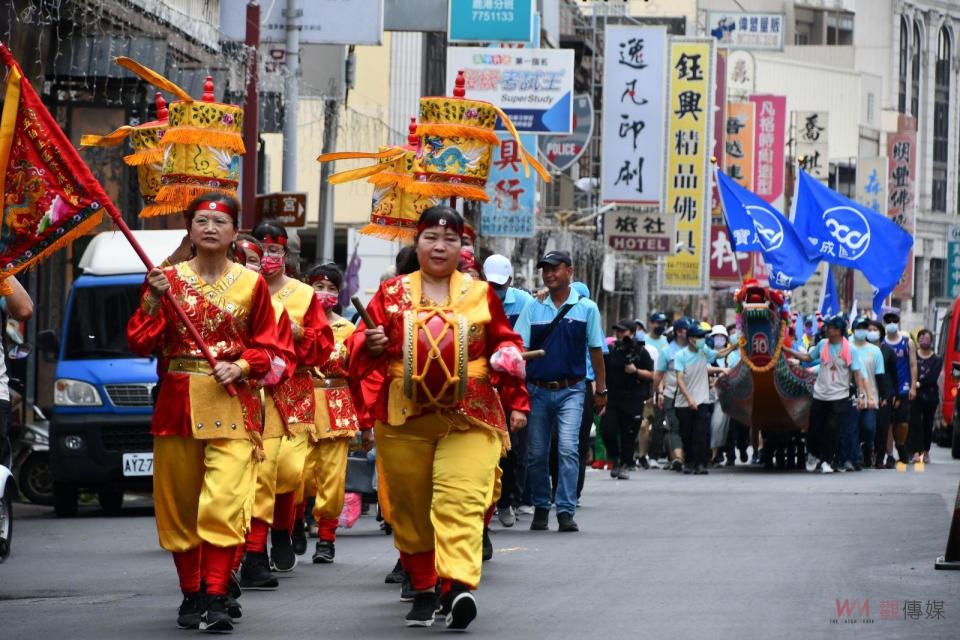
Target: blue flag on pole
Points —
{"points": [[829, 300], [844, 232], [755, 225]]}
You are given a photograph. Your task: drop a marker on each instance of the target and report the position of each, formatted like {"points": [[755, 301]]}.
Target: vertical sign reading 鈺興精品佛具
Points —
{"points": [[686, 181], [510, 211], [633, 115]]}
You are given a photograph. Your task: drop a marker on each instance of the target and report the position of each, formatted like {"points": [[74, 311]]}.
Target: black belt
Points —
{"points": [[563, 383]]}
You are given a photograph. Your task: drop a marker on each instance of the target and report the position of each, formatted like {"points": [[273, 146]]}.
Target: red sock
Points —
{"points": [[238, 556], [327, 529], [217, 564], [488, 516], [422, 569], [257, 536], [284, 511], [188, 570]]}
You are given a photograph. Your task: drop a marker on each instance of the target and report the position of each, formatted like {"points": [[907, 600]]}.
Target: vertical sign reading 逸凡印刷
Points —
{"points": [[633, 114], [513, 195], [901, 189], [686, 181], [770, 124]]}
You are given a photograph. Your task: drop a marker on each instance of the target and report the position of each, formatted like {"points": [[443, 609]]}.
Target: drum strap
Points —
{"points": [[553, 325]]}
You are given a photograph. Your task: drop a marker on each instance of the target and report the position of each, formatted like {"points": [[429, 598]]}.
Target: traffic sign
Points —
{"points": [[289, 209]]}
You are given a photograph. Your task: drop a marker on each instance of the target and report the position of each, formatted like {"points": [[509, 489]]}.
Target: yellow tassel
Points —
{"points": [[389, 232], [5, 288], [147, 156], [153, 77], [173, 198], [543, 173], [359, 155], [207, 137], [153, 210], [447, 189], [458, 131], [526, 157], [112, 139], [357, 174]]}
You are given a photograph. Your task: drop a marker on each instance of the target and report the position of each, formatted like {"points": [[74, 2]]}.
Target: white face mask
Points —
{"points": [[873, 335], [860, 334]]}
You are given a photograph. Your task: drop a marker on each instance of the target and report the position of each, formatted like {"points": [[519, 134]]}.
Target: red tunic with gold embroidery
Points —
{"points": [[487, 330], [336, 413], [235, 319], [293, 397]]}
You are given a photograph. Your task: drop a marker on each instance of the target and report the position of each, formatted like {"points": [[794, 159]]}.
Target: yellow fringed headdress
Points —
{"points": [[147, 155], [200, 149]]}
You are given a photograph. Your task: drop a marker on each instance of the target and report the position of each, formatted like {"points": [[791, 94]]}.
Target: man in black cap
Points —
{"points": [[629, 376], [566, 326]]}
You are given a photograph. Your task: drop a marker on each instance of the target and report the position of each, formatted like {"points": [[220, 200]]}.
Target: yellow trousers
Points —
{"points": [[329, 469], [202, 491], [281, 471], [441, 482]]}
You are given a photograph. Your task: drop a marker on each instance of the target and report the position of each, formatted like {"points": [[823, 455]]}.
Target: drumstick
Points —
{"points": [[367, 320], [533, 355]]}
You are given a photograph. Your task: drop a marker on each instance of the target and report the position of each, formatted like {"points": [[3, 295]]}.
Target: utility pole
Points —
{"points": [[291, 95], [251, 117], [331, 121]]}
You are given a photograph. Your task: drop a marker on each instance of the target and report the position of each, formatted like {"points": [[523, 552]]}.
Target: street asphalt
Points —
{"points": [[740, 553]]}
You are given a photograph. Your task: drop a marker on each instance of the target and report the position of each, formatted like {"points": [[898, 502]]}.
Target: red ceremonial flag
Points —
{"points": [[49, 195]]}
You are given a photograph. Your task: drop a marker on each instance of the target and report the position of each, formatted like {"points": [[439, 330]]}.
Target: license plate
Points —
{"points": [[138, 464]]}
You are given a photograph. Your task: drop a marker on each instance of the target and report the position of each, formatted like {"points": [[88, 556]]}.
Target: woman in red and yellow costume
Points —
{"points": [[440, 336], [205, 441], [336, 424], [288, 415]]}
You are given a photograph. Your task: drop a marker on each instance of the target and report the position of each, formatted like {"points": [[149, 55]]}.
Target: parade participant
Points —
{"points": [[288, 415], [862, 426], [665, 385], [924, 410], [883, 442], [440, 427], [336, 419], [629, 374], [839, 368], [906, 351], [656, 337], [565, 325], [499, 273], [248, 252], [205, 441]]}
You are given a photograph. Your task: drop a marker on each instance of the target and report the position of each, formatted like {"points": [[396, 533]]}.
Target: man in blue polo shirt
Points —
{"points": [[556, 385]]}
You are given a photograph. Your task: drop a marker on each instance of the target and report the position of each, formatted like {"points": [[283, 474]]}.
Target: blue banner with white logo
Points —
{"points": [[844, 232], [755, 225]]}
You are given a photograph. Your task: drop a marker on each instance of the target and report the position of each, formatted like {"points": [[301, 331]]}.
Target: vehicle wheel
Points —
{"points": [[111, 500], [6, 525], [65, 501], [36, 479]]}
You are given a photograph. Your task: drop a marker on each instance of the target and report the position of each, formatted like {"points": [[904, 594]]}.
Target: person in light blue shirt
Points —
{"points": [[655, 336], [556, 385], [498, 271], [862, 425]]}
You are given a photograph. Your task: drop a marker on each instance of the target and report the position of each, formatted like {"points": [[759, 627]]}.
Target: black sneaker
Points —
{"points": [[857, 466], [687, 469], [614, 471], [700, 470], [644, 462], [461, 607], [541, 519], [730, 462], [188, 617], [487, 551], [255, 573], [215, 618], [406, 590], [233, 609], [233, 587], [324, 553], [566, 523], [676, 465], [397, 576], [423, 610], [299, 537], [282, 556], [624, 473]]}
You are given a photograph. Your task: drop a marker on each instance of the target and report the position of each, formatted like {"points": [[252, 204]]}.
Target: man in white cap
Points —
{"points": [[499, 274]]}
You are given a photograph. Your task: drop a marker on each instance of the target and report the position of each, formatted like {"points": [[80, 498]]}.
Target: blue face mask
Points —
{"points": [[860, 334], [873, 336], [892, 327]]}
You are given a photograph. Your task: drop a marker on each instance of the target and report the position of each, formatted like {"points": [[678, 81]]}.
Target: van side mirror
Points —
{"points": [[49, 345]]}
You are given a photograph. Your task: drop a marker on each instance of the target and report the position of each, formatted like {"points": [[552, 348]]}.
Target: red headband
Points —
{"points": [[270, 239], [246, 244], [212, 205], [442, 222]]}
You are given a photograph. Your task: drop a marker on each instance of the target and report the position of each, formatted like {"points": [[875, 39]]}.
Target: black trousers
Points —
{"points": [[828, 419], [922, 414], [619, 429], [695, 433], [884, 414], [6, 451], [514, 467], [738, 437]]}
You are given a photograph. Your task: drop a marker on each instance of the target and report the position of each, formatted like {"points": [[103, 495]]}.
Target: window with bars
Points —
{"points": [[915, 72], [904, 55], [941, 121], [938, 279]]}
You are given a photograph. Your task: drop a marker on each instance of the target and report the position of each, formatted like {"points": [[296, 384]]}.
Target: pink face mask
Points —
{"points": [[271, 265], [327, 300]]}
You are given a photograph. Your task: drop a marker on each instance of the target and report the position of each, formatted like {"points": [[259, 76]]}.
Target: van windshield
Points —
{"points": [[97, 326]]}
